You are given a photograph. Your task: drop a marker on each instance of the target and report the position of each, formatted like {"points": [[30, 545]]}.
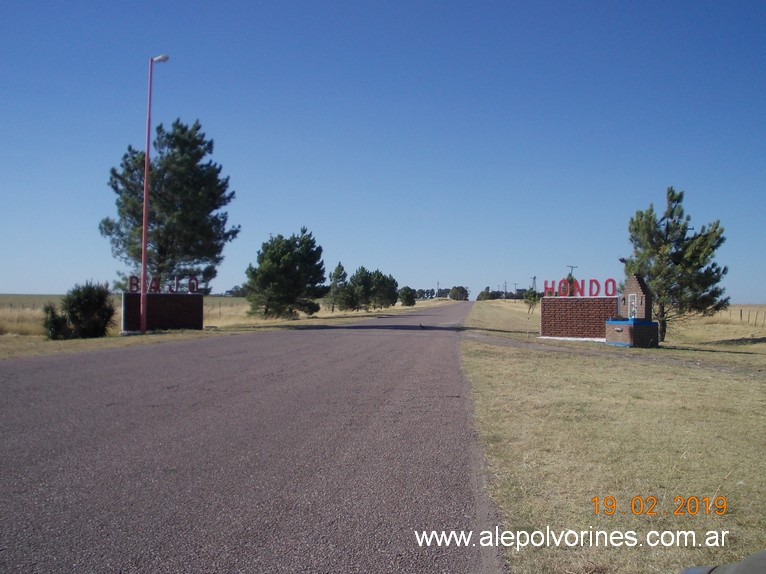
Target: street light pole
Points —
{"points": [[145, 225]]}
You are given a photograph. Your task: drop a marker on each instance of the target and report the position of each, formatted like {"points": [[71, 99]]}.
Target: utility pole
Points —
{"points": [[571, 269]]}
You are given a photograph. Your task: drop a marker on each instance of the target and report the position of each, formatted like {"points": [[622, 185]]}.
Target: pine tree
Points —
{"points": [[385, 290], [678, 267], [187, 229], [407, 296], [367, 289], [288, 277], [338, 282], [360, 289]]}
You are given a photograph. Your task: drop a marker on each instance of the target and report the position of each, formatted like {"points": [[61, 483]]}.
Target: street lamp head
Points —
{"points": [[161, 58]]}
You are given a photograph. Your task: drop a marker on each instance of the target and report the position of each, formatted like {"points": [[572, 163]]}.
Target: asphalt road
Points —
{"points": [[319, 450]]}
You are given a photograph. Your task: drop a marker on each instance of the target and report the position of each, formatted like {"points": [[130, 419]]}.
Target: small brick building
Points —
{"points": [[624, 320], [634, 326], [635, 301]]}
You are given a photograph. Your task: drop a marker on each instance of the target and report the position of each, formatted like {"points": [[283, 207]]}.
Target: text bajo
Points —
{"points": [[191, 286]]}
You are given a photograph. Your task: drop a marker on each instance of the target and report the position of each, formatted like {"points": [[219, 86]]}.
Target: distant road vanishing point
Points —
{"points": [[313, 450]]}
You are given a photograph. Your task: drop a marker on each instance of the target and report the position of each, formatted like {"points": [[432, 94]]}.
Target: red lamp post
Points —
{"points": [[145, 226]]}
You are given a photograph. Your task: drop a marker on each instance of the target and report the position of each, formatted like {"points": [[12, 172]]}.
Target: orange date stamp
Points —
{"points": [[647, 506]]}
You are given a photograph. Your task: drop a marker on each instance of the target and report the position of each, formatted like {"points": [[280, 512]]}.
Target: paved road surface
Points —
{"points": [[317, 450]]}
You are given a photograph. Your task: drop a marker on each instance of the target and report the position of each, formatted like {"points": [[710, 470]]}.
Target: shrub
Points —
{"points": [[407, 296], [87, 312], [55, 325]]}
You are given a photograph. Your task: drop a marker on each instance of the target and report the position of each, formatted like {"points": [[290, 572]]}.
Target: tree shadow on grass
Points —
{"points": [[740, 341], [402, 327], [734, 343]]}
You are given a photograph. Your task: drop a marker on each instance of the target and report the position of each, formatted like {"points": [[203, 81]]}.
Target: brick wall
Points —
{"points": [[163, 311], [580, 317], [619, 333]]}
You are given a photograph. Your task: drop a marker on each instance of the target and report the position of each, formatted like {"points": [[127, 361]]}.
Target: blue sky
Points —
{"points": [[469, 143]]}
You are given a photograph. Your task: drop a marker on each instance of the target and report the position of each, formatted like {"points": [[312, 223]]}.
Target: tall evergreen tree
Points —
{"points": [[367, 289], [338, 283], [385, 290], [288, 277], [360, 289], [678, 267], [187, 229]]}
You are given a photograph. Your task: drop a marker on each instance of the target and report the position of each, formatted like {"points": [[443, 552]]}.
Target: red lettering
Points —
{"points": [[174, 289], [154, 285], [133, 285], [193, 284], [577, 288]]}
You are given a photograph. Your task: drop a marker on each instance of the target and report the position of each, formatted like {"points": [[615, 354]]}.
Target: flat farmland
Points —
{"points": [[22, 334], [586, 437], [23, 314]]}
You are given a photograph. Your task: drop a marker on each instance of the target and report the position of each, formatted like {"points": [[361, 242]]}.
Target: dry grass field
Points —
{"points": [[23, 315], [565, 423], [22, 334]]}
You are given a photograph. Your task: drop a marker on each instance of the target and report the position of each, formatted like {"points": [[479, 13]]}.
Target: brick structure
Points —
{"points": [[624, 320], [632, 333], [164, 311], [579, 317], [635, 302], [633, 327]]}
